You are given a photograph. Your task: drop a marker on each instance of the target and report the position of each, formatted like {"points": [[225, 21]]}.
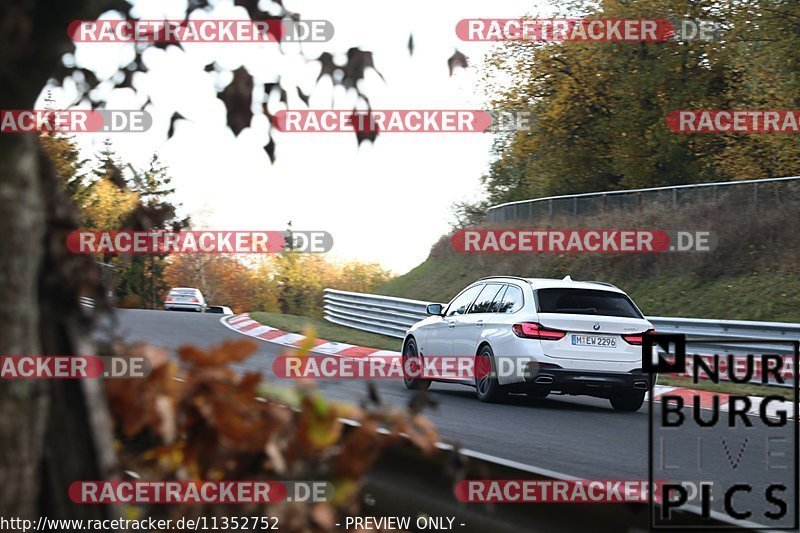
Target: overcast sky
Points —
{"points": [[386, 202]]}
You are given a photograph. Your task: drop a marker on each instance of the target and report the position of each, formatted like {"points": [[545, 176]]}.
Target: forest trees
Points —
{"points": [[600, 107]]}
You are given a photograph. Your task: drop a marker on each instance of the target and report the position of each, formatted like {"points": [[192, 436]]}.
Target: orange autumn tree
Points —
{"points": [[223, 280], [361, 277], [290, 283]]}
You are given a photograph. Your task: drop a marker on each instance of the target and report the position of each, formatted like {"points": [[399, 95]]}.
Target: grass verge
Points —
{"points": [[770, 296], [326, 330], [751, 274], [727, 387]]}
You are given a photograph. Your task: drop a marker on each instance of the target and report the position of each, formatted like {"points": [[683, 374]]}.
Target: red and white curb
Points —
{"points": [[706, 399], [247, 326]]}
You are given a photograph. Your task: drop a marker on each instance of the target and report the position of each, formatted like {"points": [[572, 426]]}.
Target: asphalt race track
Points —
{"points": [[576, 436]]}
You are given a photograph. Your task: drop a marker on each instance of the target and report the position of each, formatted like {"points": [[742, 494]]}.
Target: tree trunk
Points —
{"points": [[23, 403], [51, 432]]}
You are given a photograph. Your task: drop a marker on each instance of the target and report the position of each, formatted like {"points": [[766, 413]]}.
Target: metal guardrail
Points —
{"points": [[391, 316], [384, 315], [698, 328], [763, 193], [107, 280]]}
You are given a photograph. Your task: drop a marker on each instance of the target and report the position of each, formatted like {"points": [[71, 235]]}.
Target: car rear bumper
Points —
{"points": [[592, 383]]}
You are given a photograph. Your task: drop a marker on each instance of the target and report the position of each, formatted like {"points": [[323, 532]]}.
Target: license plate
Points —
{"points": [[594, 340]]}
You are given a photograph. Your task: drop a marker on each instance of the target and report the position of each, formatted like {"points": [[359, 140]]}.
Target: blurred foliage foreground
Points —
{"points": [[203, 420]]}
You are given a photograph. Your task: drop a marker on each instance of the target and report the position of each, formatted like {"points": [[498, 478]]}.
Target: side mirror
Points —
{"points": [[434, 309]]}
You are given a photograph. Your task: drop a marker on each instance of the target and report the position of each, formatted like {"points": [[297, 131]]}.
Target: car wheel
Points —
{"points": [[486, 384], [627, 401], [412, 361]]}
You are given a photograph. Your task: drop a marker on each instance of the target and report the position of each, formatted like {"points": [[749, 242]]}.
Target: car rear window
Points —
{"points": [[498, 300], [183, 292], [512, 300], [586, 302], [484, 301]]}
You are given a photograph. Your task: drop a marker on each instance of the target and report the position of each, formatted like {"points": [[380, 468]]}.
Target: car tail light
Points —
{"points": [[636, 338], [170, 300], [532, 330], [195, 300]]}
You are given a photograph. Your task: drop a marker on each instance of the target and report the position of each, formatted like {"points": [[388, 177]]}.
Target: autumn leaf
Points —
{"points": [[361, 447], [421, 432], [238, 97], [302, 96], [319, 426], [228, 351], [456, 60], [308, 343]]}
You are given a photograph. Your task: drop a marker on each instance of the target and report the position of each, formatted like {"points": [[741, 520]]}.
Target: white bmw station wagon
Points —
{"points": [[559, 336]]}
